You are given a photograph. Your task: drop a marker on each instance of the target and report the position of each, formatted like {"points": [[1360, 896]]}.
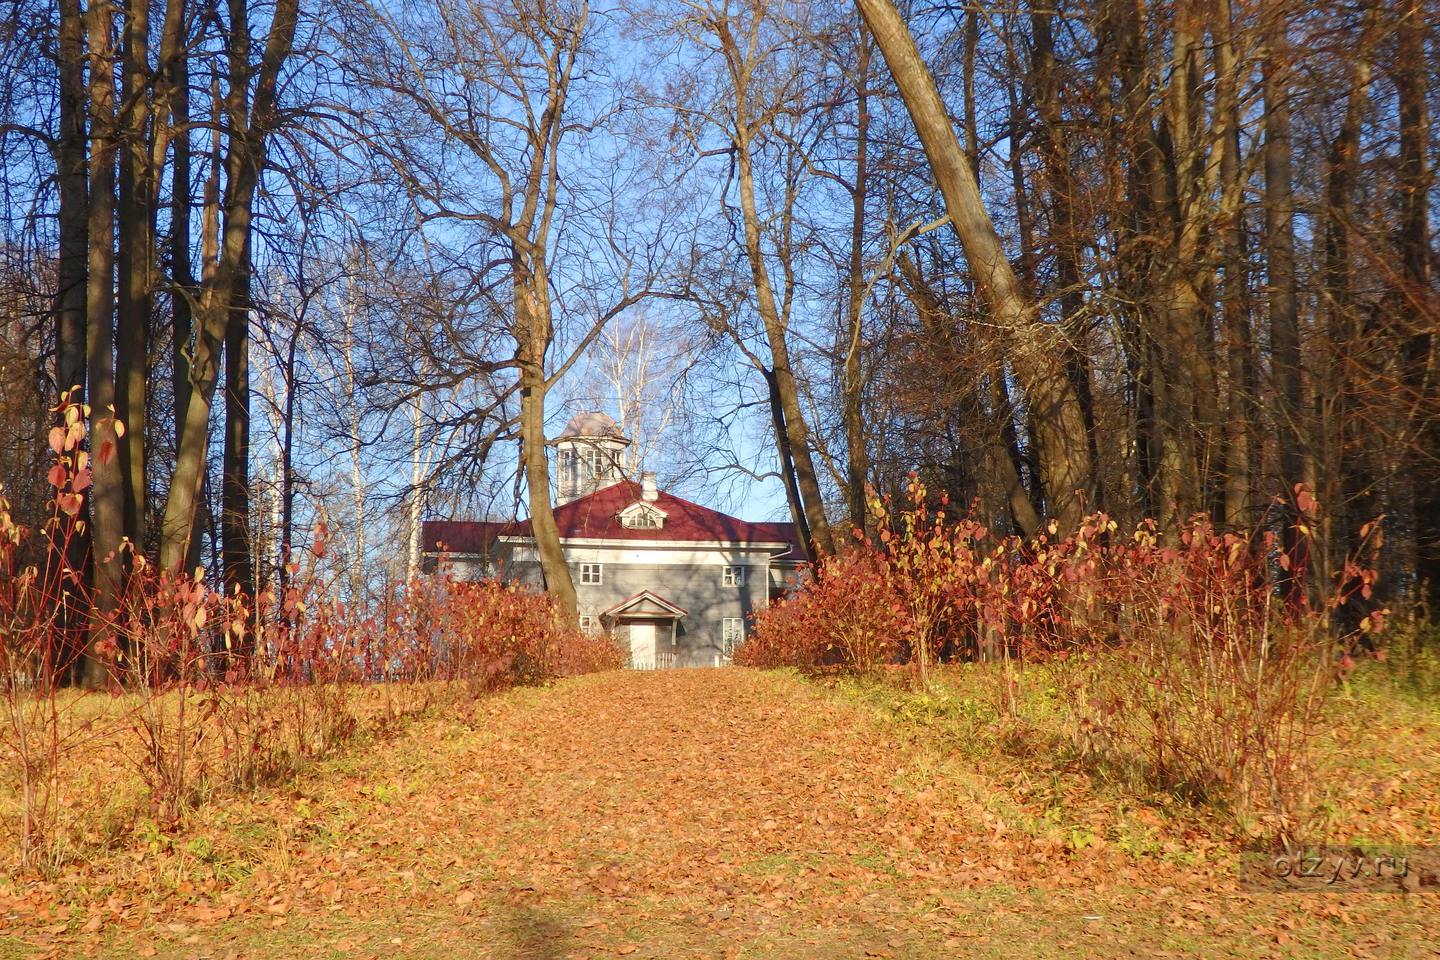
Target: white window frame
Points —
{"points": [[596, 464], [732, 634], [592, 574], [733, 576], [589, 624]]}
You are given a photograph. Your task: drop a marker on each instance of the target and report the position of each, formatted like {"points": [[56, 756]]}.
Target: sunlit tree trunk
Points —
{"points": [[419, 475], [1049, 395], [245, 157], [534, 333], [1242, 410], [795, 444], [853, 378]]}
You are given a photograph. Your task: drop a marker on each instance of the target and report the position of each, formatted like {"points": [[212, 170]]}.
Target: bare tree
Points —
{"points": [[1051, 397], [500, 91], [254, 116]]}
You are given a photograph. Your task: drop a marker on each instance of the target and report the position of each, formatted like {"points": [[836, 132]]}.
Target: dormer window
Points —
{"points": [[642, 516]]}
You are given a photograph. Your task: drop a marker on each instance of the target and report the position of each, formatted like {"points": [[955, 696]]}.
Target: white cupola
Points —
{"points": [[588, 455]]}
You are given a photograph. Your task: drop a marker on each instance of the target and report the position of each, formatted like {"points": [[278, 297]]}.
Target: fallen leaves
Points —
{"points": [[722, 806]]}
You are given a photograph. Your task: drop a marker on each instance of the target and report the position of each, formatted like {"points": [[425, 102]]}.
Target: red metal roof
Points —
{"points": [[595, 516]]}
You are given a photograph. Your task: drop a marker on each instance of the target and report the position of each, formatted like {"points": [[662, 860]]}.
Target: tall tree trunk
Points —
{"points": [[1049, 395], [1420, 371], [534, 333], [1185, 193], [853, 381], [1347, 478], [285, 530], [796, 441], [70, 304], [787, 463], [972, 125], [236, 547], [135, 258], [354, 414], [1290, 419], [244, 161], [107, 500], [1242, 412], [235, 455], [1130, 129], [1065, 238]]}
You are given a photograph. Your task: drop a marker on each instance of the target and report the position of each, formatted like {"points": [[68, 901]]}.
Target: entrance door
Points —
{"points": [[642, 645]]}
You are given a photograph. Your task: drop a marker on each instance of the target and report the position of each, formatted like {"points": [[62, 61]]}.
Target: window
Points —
{"points": [[734, 577], [594, 464], [590, 573], [589, 624], [731, 634]]}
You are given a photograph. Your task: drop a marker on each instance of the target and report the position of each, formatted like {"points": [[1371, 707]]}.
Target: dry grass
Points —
{"points": [[1375, 754], [232, 741], [701, 813]]}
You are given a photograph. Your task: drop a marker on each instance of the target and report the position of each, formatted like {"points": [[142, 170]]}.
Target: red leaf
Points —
{"points": [[80, 481], [57, 439], [106, 456], [57, 476]]}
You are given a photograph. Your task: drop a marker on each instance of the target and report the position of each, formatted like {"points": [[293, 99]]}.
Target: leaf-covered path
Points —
{"points": [[718, 813]]}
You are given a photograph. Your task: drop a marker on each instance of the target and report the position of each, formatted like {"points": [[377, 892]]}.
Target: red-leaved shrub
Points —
{"points": [[851, 615], [1175, 654], [217, 689]]}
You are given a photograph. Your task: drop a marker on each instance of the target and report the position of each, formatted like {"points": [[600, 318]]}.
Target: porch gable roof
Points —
{"points": [[645, 604]]}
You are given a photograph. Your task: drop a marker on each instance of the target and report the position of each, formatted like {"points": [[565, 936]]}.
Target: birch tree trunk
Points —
{"points": [[354, 414]]}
